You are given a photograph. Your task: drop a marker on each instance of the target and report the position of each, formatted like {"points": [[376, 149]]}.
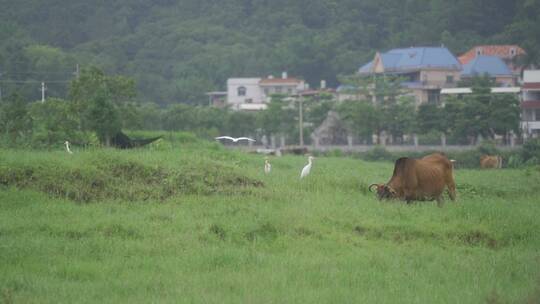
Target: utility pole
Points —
{"points": [[77, 71], [43, 92], [300, 119]]}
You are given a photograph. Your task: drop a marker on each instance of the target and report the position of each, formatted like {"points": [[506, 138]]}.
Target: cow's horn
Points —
{"points": [[369, 188]]}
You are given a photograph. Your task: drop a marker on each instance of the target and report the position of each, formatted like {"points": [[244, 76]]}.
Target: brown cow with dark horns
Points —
{"points": [[419, 179]]}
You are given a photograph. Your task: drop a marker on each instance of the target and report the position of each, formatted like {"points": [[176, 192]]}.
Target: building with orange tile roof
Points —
{"points": [[507, 52]]}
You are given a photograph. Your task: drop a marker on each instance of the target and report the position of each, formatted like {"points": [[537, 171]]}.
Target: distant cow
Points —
{"points": [[419, 179], [490, 162]]}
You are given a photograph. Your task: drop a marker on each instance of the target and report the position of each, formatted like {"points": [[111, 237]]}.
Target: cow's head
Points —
{"points": [[383, 191]]}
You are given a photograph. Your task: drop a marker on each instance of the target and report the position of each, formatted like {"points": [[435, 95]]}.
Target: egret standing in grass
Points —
{"points": [[307, 168], [267, 166], [66, 143]]}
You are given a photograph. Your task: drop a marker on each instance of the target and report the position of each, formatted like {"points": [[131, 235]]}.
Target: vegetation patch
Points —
{"points": [[403, 234], [115, 178], [218, 231], [120, 231], [265, 231], [478, 238]]}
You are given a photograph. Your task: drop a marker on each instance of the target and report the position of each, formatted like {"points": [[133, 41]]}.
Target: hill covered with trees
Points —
{"points": [[176, 50]]}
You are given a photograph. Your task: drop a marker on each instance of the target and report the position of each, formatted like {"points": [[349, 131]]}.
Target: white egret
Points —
{"points": [[66, 143], [267, 166], [307, 168], [235, 139]]}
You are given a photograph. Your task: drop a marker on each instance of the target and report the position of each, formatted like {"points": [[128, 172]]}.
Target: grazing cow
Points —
{"points": [[490, 162], [419, 179]]}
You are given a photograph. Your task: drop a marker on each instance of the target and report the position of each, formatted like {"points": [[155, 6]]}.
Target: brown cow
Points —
{"points": [[490, 162], [419, 179]]}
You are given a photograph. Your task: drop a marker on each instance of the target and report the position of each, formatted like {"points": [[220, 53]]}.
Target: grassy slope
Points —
{"points": [[324, 239]]}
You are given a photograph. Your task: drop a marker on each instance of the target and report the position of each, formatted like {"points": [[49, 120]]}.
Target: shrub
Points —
{"points": [[378, 153], [431, 138], [488, 147], [531, 151], [515, 161]]}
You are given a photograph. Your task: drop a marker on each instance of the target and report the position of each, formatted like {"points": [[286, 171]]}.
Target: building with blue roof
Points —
{"points": [[412, 59], [425, 70], [492, 66]]}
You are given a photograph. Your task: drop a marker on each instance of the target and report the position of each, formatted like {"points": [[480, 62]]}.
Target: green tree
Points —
{"points": [[241, 124], [131, 116], [179, 117], [278, 118], [399, 117], [15, 123], [386, 89], [103, 118], [316, 110], [54, 121], [393, 111], [362, 118], [151, 116], [482, 112], [430, 117], [504, 114], [98, 98], [455, 120], [94, 82]]}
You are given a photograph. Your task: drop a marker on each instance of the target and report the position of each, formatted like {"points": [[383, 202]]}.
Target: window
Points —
{"points": [[266, 91], [289, 91], [278, 90], [478, 51], [241, 91], [527, 114], [433, 96], [249, 100], [537, 115], [449, 78]]}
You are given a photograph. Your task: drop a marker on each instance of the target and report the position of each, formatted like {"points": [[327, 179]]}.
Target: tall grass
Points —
{"points": [[323, 239]]}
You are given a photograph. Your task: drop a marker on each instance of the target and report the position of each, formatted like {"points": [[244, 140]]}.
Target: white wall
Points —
{"points": [[281, 88], [253, 91], [531, 76]]}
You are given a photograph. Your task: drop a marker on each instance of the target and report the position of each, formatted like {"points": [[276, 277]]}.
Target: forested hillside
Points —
{"points": [[178, 49]]}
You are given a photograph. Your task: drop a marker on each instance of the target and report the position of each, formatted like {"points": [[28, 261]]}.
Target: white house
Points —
{"points": [[245, 94], [252, 94], [284, 85], [530, 103]]}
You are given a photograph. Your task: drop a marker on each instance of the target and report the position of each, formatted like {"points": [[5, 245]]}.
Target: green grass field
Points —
{"points": [[173, 224]]}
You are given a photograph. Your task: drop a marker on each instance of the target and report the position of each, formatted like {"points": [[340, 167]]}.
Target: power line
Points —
{"points": [[34, 81], [39, 73]]}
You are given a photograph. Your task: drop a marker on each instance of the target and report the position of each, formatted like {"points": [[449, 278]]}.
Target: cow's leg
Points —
{"points": [[440, 201], [452, 190], [409, 197]]}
